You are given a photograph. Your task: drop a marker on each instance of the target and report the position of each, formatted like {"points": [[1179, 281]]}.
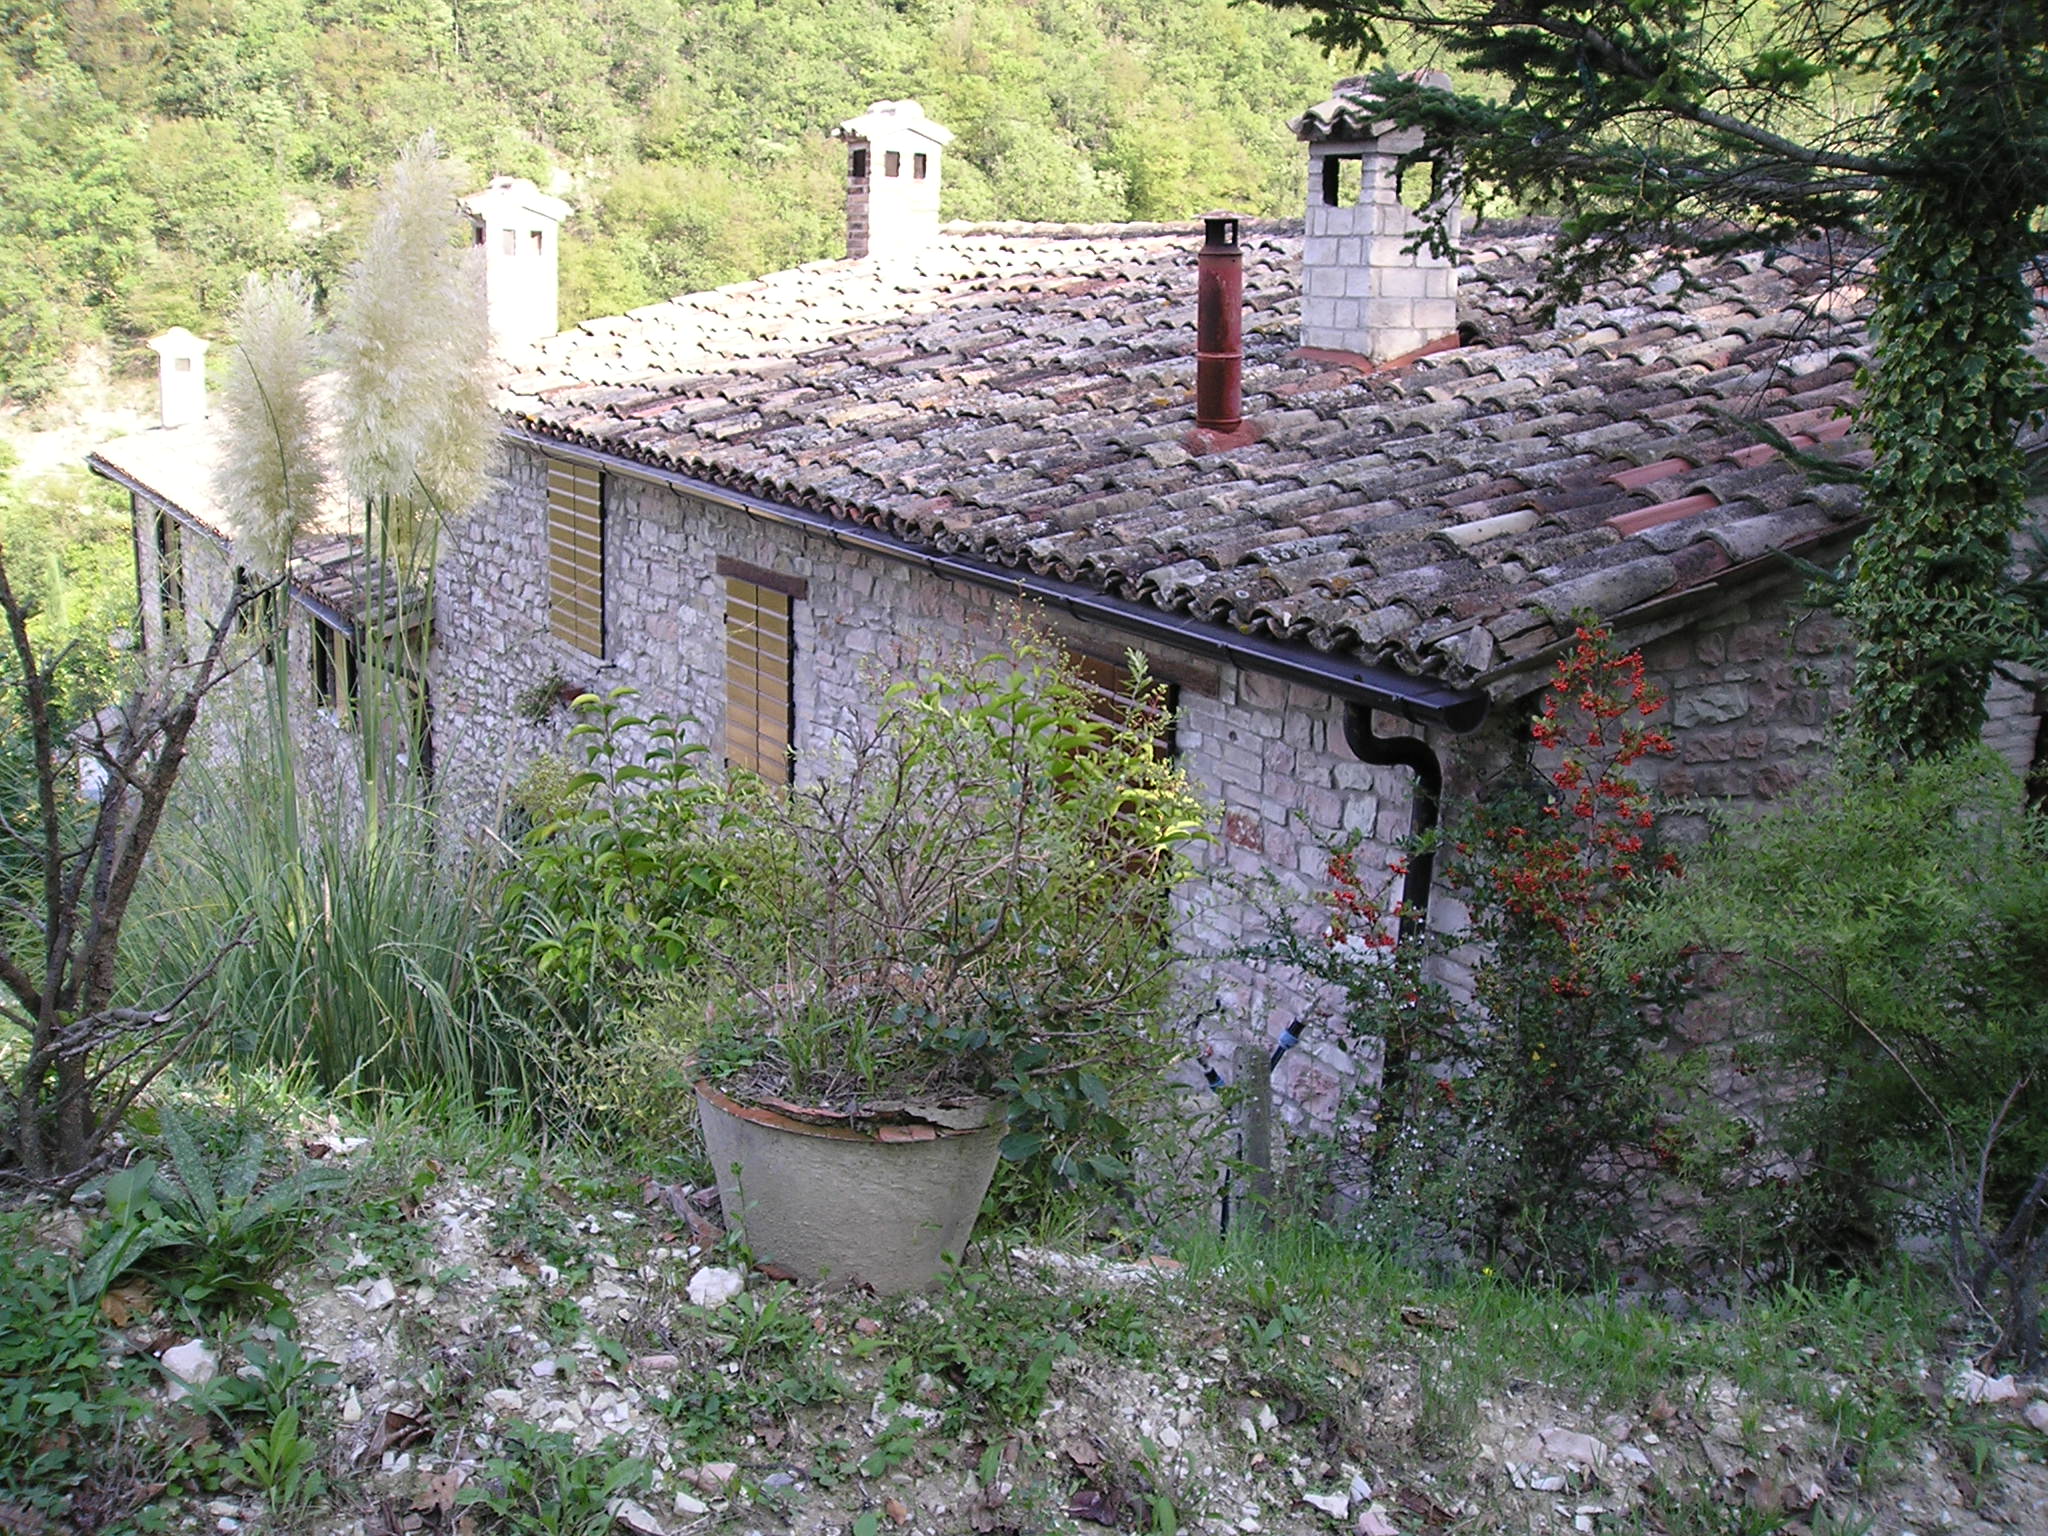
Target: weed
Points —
{"points": [[58, 1395], [202, 1229], [769, 1366], [538, 1484]]}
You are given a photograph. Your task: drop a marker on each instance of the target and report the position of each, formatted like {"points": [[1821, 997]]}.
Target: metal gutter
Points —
{"points": [[1417, 699]]}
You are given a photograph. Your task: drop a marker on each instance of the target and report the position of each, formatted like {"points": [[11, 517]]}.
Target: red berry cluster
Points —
{"points": [[1568, 872]]}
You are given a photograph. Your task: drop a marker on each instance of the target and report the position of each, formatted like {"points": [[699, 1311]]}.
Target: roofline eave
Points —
{"points": [[1420, 700]]}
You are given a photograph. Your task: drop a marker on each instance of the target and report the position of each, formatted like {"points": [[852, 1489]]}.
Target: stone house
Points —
{"points": [[1348, 517]]}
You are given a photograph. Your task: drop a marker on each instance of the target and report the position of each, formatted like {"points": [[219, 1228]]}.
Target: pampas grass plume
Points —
{"points": [[412, 347], [270, 472]]}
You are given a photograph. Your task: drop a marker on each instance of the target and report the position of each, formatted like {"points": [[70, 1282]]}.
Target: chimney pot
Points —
{"points": [[1219, 328], [518, 228], [180, 376]]}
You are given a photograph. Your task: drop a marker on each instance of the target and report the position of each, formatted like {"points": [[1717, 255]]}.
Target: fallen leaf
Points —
{"points": [[1428, 1317], [439, 1497], [1094, 1506], [124, 1303], [1422, 1506], [1346, 1364], [897, 1511], [1083, 1453]]}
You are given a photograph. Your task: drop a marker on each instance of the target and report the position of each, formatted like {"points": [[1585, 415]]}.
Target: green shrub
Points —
{"points": [[974, 899], [1890, 927], [61, 1398], [358, 943]]}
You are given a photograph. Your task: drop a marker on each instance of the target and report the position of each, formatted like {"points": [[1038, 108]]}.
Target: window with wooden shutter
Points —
{"points": [[1108, 686], [758, 652], [576, 555]]}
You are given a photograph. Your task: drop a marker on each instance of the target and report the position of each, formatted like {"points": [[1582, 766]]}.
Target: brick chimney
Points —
{"points": [[519, 228], [892, 178], [180, 376], [1363, 292]]}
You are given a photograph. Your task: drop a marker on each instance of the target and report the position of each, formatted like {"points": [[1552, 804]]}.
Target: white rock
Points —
{"points": [[190, 1364], [504, 1400], [714, 1287], [1633, 1456], [636, 1517], [1170, 1437], [545, 1367], [714, 1476], [2037, 1415], [690, 1504], [1268, 1419], [352, 1408], [372, 1295], [1976, 1387], [1336, 1505], [1566, 1447], [1372, 1523]]}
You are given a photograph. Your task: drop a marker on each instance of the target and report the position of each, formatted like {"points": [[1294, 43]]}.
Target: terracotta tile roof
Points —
{"points": [[1021, 394]]}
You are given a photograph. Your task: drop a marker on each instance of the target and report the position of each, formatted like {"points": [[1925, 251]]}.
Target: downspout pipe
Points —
{"points": [[1416, 755]]}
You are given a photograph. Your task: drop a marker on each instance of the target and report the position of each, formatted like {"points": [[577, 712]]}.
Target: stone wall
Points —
{"points": [[1758, 694], [1269, 756]]}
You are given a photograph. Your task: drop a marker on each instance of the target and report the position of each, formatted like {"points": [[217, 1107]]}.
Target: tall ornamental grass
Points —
{"points": [[357, 955]]}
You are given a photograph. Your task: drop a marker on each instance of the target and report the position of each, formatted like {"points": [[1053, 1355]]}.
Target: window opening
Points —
{"points": [[262, 612], [537, 242], [759, 653], [1343, 179], [170, 573], [919, 165], [576, 525], [860, 165], [336, 669], [892, 163]]}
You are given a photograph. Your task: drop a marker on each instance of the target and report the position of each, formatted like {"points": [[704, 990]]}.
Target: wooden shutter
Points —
{"points": [[1107, 684], [576, 555], [758, 649]]}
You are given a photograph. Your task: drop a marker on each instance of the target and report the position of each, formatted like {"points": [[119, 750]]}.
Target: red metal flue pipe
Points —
{"points": [[1219, 329]]}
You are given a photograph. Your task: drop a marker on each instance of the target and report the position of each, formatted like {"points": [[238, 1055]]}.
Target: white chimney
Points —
{"points": [[1363, 292], [892, 178], [519, 227], [180, 376]]}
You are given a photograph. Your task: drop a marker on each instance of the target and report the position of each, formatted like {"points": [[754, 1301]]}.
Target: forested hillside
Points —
{"points": [[155, 150]]}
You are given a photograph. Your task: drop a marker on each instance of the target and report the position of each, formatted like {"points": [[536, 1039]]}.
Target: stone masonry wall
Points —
{"points": [[1270, 757], [1758, 692]]}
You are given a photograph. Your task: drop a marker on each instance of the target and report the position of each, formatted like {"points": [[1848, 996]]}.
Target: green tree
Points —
{"points": [[1713, 122]]}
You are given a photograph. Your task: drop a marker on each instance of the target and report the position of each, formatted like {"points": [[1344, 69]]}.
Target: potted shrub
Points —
{"points": [[957, 949]]}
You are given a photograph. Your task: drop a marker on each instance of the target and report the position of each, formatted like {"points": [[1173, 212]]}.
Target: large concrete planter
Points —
{"points": [[884, 1208]]}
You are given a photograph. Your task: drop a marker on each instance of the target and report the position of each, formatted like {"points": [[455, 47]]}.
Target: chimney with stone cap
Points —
{"points": [[892, 178], [180, 376], [1364, 293], [519, 228]]}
